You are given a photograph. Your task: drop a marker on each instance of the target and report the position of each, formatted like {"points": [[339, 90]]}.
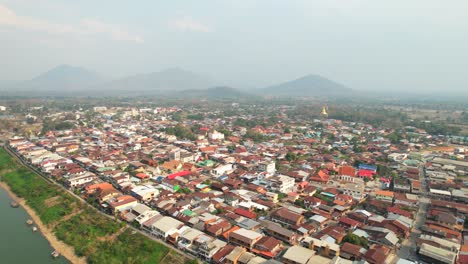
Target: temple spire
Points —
{"points": [[324, 111]]}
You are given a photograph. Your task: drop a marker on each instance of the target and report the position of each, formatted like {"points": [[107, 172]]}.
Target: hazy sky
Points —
{"points": [[364, 44]]}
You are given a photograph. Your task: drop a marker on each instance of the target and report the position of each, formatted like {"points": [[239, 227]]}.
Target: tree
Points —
{"points": [[300, 202], [356, 240], [394, 137], [225, 131], [356, 163], [281, 196], [184, 190], [290, 156]]}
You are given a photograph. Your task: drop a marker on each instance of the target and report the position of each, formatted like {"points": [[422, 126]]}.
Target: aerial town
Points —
{"points": [[249, 184]]}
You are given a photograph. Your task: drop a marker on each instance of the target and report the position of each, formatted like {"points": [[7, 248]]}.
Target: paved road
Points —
{"points": [[408, 246], [39, 173]]}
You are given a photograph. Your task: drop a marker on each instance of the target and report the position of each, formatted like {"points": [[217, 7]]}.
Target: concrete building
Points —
{"points": [[281, 183], [298, 255], [434, 254], [165, 227], [244, 238]]}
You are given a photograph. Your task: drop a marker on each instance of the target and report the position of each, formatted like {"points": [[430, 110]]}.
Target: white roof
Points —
{"points": [[190, 234], [318, 218], [361, 233], [167, 223], [247, 233], [365, 212], [441, 192], [437, 253], [298, 254], [140, 208]]}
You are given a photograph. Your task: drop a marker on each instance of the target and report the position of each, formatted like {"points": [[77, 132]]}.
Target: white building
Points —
{"points": [[356, 190], [80, 180], [222, 169], [99, 108], [268, 166], [281, 183], [215, 135], [165, 227], [186, 239], [208, 249]]}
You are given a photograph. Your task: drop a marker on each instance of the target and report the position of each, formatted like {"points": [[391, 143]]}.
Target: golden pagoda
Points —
{"points": [[324, 111]]}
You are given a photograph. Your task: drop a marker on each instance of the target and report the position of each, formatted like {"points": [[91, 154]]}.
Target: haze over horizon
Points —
{"points": [[365, 44]]}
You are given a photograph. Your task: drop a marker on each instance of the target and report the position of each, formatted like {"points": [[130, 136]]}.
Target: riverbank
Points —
{"points": [[92, 236], [65, 250]]}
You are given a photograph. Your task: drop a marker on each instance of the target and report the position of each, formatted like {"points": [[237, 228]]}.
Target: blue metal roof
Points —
{"points": [[367, 167]]}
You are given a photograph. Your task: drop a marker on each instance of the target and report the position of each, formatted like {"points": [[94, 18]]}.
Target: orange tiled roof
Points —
{"points": [[384, 193]]}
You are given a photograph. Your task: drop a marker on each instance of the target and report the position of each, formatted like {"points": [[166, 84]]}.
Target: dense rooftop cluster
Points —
{"points": [[244, 189]]}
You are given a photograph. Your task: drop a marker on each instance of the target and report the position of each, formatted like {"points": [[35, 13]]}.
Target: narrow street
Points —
{"points": [[408, 246], [39, 173]]}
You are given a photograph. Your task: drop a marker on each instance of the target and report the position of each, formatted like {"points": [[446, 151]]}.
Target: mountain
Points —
{"points": [[61, 79], [309, 85], [70, 80], [173, 79], [218, 92]]}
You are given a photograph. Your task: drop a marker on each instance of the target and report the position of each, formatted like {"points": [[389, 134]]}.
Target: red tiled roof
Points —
{"points": [[398, 211], [245, 213], [178, 174], [142, 176], [351, 249], [222, 253], [103, 185], [366, 173], [347, 170], [350, 222]]}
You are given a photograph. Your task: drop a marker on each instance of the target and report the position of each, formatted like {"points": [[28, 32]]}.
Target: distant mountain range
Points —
{"points": [[309, 85], [169, 80], [219, 92], [71, 80], [61, 79]]}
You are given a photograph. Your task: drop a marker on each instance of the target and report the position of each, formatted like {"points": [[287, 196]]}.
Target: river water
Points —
{"points": [[18, 244]]}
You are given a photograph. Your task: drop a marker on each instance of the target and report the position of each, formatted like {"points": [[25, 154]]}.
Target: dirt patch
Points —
{"points": [[174, 258], [65, 218], [114, 236], [52, 201]]}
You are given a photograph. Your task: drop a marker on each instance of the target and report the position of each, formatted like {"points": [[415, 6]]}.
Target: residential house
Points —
{"points": [[277, 231], [267, 247], [281, 183], [172, 166], [122, 203], [433, 254], [297, 255], [244, 238], [286, 217], [377, 254], [166, 226], [208, 248], [234, 255], [144, 192], [384, 195], [322, 247], [351, 252], [78, 180]]}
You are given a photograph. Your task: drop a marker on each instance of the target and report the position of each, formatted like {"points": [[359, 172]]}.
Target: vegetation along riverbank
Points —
{"points": [[78, 231]]}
